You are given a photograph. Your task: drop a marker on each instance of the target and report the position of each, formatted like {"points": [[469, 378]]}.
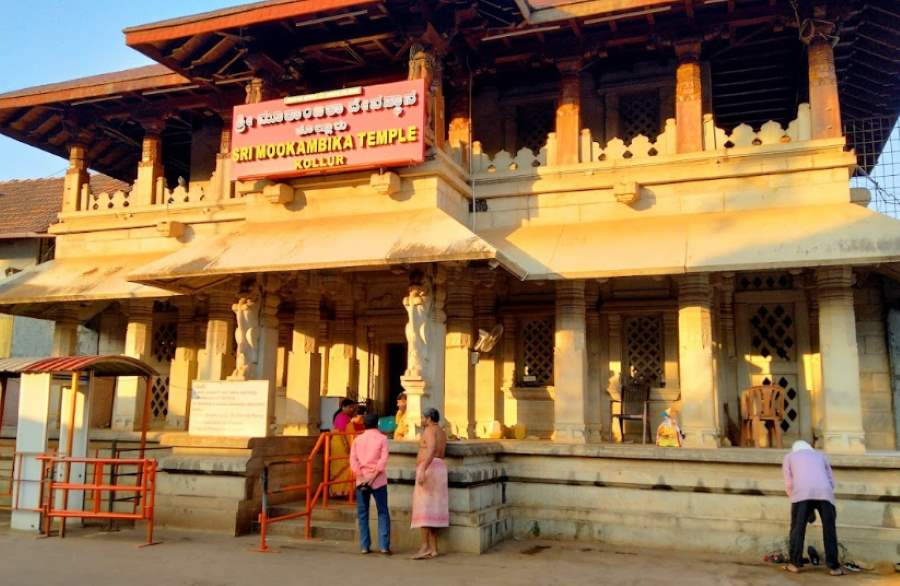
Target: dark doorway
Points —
{"points": [[396, 366]]}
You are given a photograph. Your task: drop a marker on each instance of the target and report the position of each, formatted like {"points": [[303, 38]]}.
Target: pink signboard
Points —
{"points": [[331, 132]]}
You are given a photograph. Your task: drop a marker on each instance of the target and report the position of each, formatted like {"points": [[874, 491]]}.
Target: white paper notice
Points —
{"points": [[229, 408]]}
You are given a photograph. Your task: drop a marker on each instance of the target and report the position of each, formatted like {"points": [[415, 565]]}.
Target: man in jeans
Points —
{"points": [[368, 460], [809, 484]]}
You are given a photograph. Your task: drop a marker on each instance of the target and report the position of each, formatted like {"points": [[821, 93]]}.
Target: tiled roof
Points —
{"points": [[30, 206]]}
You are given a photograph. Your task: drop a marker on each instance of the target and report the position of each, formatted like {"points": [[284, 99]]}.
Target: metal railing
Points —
{"points": [[310, 497], [876, 142], [54, 494]]}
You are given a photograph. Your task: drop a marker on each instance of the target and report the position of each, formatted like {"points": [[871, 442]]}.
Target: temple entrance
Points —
{"points": [[396, 366]]}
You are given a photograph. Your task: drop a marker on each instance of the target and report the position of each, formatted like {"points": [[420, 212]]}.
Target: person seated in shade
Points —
{"points": [[430, 505], [809, 484], [368, 460], [402, 427], [668, 434]]}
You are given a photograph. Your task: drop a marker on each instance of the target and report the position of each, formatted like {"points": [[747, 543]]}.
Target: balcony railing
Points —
{"points": [[641, 148]]}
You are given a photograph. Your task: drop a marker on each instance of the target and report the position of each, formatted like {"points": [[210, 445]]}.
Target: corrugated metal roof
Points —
{"points": [[15, 365], [112, 365]]}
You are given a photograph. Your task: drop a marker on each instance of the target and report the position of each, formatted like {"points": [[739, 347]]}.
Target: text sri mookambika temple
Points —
{"points": [[550, 220]]}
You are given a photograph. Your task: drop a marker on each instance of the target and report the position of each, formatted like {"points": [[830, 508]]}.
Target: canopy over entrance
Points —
{"points": [[374, 240], [839, 234], [67, 280]]}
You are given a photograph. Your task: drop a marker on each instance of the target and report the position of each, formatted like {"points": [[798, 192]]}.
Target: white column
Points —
{"points": [[79, 439], [570, 364], [488, 399], [267, 357], [302, 412], [184, 366], [215, 362], [343, 347], [695, 361], [842, 428], [31, 437], [65, 333], [128, 400], [459, 373]]}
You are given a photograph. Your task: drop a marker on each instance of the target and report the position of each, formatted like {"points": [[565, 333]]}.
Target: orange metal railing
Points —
{"points": [[323, 445], [55, 493]]}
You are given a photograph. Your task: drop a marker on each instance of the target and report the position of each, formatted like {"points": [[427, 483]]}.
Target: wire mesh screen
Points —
{"points": [[877, 145]]}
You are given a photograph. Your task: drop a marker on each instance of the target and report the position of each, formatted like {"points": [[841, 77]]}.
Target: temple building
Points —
{"points": [[509, 210]]}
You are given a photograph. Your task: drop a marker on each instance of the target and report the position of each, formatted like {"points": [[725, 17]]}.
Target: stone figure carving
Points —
{"points": [[246, 334], [418, 305]]}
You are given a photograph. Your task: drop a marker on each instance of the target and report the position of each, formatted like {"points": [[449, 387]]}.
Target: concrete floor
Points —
{"points": [[90, 557]]}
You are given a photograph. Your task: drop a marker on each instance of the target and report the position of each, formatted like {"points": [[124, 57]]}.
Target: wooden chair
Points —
{"points": [[634, 406], [762, 411]]}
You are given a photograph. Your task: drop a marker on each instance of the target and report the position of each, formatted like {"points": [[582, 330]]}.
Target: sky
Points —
{"points": [[45, 41]]}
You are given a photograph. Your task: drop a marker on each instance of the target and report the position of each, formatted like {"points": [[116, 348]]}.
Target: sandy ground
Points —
{"points": [[89, 557]]}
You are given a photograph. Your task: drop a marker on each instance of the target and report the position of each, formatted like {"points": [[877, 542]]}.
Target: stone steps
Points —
{"points": [[336, 523]]}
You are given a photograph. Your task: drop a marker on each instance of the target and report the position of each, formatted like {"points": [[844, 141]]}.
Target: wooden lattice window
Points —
{"points": [[765, 282], [533, 123], [535, 366], [162, 351], [644, 350], [639, 114], [772, 331]]}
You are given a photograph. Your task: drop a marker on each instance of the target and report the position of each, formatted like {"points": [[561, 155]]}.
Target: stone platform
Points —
{"points": [[728, 500]]}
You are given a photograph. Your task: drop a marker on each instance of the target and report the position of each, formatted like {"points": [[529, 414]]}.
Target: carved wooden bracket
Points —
{"points": [[627, 192], [278, 193], [170, 229], [385, 183]]}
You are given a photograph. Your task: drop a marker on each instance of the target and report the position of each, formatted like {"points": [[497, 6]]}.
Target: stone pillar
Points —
{"points": [[695, 362], [570, 363], [76, 177], [824, 105], [302, 412], [267, 357], [842, 429], [183, 371], [65, 333], [614, 384], [488, 399], [128, 400], [215, 362], [341, 363], [506, 354], [459, 373], [688, 98], [568, 112], [150, 168], [460, 131]]}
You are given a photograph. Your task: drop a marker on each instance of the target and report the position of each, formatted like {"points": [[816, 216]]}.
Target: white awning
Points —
{"points": [[62, 280], [834, 234], [373, 240]]}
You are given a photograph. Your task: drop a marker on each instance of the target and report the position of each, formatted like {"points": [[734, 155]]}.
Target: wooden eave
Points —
{"points": [[234, 17], [145, 78]]}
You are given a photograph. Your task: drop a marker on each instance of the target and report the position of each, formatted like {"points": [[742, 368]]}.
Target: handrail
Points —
{"points": [[306, 488]]}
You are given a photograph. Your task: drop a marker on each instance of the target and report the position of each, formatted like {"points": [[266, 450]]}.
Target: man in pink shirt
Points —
{"points": [[368, 461], [809, 483]]}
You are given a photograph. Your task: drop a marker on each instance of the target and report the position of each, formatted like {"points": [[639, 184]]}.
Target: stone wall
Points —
{"points": [[874, 368]]}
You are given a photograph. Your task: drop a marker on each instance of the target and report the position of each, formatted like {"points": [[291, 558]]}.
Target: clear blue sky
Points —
{"points": [[44, 41]]}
